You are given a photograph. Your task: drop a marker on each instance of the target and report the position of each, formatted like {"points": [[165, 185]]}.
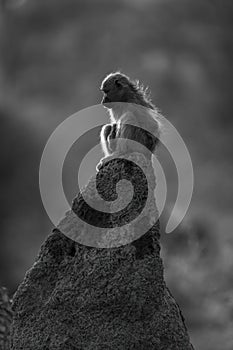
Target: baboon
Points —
{"points": [[132, 115]]}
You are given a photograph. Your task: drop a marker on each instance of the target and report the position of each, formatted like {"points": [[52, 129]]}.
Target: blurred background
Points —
{"points": [[54, 55]]}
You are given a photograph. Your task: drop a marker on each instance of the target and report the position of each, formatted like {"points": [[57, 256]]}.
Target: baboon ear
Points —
{"points": [[118, 83]]}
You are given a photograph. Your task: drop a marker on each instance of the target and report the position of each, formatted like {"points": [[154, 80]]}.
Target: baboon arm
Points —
{"points": [[105, 132]]}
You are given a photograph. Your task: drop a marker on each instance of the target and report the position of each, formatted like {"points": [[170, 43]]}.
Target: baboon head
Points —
{"points": [[118, 87]]}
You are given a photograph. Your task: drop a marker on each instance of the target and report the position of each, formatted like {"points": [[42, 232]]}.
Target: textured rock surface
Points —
{"points": [[83, 297], [5, 319], [124, 210]]}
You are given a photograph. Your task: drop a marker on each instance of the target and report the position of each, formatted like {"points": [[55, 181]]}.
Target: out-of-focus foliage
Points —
{"points": [[54, 54]]}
